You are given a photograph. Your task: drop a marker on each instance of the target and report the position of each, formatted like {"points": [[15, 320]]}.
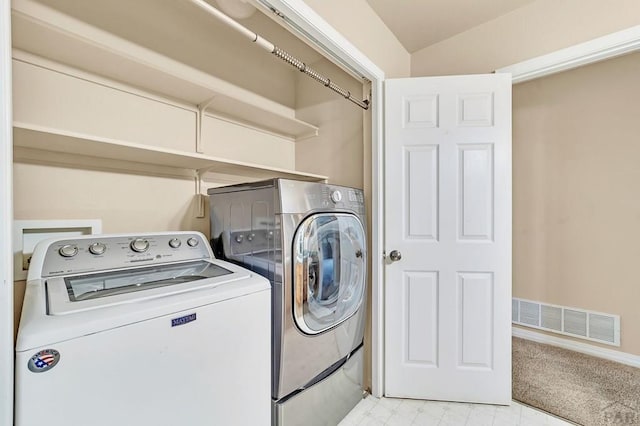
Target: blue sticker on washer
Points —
{"points": [[183, 320], [44, 360]]}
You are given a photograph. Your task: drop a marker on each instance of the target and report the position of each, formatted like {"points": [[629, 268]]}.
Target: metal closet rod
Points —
{"points": [[273, 49]]}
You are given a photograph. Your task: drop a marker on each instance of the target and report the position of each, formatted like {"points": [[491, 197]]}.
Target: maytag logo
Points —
{"points": [[183, 320], [43, 361]]}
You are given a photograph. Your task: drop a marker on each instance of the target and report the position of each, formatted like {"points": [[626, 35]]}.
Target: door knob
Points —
{"points": [[395, 255]]}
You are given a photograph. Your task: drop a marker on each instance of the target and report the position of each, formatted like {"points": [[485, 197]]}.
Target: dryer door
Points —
{"points": [[329, 270]]}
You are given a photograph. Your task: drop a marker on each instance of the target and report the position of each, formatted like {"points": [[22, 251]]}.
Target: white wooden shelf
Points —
{"points": [[29, 139], [43, 31]]}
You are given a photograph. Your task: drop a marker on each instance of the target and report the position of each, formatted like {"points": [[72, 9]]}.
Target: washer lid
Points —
{"points": [[77, 293]]}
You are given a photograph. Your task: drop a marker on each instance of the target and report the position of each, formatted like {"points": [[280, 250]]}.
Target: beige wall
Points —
{"points": [[337, 151], [125, 202], [576, 206], [357, 22], [539, 28]]}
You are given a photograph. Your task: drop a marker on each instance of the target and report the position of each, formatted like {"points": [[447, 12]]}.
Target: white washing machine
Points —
{"points": [[146, 329]]}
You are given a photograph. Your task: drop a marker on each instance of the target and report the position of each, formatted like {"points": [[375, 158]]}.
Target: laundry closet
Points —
{"points": [[129, 111]]}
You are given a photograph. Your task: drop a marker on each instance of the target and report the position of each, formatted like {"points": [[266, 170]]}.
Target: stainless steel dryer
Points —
{"points": [[308, 238]]}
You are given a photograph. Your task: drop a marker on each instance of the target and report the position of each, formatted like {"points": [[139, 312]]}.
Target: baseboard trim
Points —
{"points": [[585, 348]]}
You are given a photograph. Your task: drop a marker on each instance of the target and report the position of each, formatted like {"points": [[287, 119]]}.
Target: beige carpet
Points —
{"points": [[580, 388]]}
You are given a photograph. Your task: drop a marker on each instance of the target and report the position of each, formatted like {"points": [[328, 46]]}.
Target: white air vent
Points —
{"points": [[575, 322], [602, 327], [589, 325], [530, 313], [551, 317]]}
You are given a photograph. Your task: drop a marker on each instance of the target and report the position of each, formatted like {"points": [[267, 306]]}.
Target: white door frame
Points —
{"points": [[312, 25], [589, 52], [6, 219]]}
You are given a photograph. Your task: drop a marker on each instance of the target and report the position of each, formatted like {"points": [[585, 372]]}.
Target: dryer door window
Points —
{"points": [[329, 266]]}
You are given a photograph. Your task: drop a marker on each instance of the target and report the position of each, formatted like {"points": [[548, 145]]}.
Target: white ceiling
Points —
{"points": [[421, 23]]}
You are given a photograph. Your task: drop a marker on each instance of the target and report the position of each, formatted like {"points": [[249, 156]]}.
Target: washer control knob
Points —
{"points": [[68, 250], [250, 237], [139, 245], [175, 243], [192, 242], [97, 248], [239, 238], [336, 196]]}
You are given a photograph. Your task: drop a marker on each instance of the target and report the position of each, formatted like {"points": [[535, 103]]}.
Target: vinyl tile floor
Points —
{"points": [[372, 411]]}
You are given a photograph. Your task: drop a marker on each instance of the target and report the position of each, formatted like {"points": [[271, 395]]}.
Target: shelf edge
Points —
{"points": [[53, 140]]}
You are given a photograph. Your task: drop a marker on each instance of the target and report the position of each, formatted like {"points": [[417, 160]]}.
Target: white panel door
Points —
{"points": [[448, 215]]}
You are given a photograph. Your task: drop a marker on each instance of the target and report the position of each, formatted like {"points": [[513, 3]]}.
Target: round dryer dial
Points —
{"points": [[336, 196], [139, 245], [175, 243], [192, 242]]}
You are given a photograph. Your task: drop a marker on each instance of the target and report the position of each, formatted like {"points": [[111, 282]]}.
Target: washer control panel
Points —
{"points": [[104, 252]]}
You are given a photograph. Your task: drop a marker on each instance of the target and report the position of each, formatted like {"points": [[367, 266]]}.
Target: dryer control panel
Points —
{"points": [[303, 197], [98, 253]]}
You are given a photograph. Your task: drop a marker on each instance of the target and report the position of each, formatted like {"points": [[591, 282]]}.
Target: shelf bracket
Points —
{"points": [[201, 199], [202, 107]]}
